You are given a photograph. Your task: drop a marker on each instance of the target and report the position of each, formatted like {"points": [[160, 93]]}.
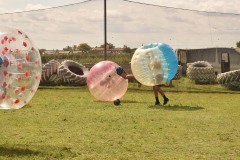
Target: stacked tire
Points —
{"points": [[201, 72], [230, 80], [49, 72], [73, 73], [67, 72]]}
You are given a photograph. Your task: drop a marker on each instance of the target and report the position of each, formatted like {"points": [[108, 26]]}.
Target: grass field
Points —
{"points": [[200, 122]]}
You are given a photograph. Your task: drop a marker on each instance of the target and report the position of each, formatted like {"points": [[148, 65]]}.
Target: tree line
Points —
{"points": [[85, 48]]}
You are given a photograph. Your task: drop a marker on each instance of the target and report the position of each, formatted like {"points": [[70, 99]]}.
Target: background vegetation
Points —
{"points": [[84, 58], [238, 44], [85, 54]]}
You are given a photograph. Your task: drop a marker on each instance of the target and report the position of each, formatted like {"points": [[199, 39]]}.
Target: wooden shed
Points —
{"points": [[222, 59]]}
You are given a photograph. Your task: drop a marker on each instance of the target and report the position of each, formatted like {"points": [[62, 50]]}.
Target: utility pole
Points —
{"points": [[105, 29]]}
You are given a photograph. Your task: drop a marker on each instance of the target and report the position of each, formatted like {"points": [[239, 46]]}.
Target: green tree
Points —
{"points": [[126, 49], [68, 48], [84, 47], [109, 46], [42, 50], [74, 47], [238, 44]]}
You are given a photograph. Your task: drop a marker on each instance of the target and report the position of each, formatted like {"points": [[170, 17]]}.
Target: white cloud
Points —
{"points": [[35, 6], [201, 5], [128, 23]]}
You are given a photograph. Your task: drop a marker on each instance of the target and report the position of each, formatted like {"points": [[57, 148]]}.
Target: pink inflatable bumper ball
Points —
{"points": [[104, 83]]}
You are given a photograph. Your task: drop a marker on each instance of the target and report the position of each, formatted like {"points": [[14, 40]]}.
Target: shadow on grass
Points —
{"points": [[48, 152], [122, 101], [13, 151], [177, 107], [130, 101]]}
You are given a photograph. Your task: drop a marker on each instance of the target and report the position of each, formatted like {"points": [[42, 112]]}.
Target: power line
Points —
{"points": [[155, 5], [55, 7], [192, 10]]}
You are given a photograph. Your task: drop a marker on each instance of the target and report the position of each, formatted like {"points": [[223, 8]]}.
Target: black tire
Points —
{"points": [[48, 70], [201, 72], [73, 73], [230, 80]]}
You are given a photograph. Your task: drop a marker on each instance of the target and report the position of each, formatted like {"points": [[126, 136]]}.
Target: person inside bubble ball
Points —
{"points": [[121, 72], [154, 65]]}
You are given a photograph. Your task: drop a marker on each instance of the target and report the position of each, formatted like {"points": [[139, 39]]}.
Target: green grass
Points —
{"points": [[203, 122]]}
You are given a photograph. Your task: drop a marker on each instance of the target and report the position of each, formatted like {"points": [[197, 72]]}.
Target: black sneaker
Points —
{"points": [[157, 103], [165, 101]]}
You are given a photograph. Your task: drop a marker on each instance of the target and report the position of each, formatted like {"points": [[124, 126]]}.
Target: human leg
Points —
{"points": [[158, 89], [171, 84], [155, 91]]}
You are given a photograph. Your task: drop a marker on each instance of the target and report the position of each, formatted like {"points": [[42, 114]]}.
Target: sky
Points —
{"points": [[179, 23]]}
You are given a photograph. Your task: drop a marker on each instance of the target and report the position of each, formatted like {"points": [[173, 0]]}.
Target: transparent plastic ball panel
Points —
{"points": [[20, 68], [154, 63], [104, 83]]}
